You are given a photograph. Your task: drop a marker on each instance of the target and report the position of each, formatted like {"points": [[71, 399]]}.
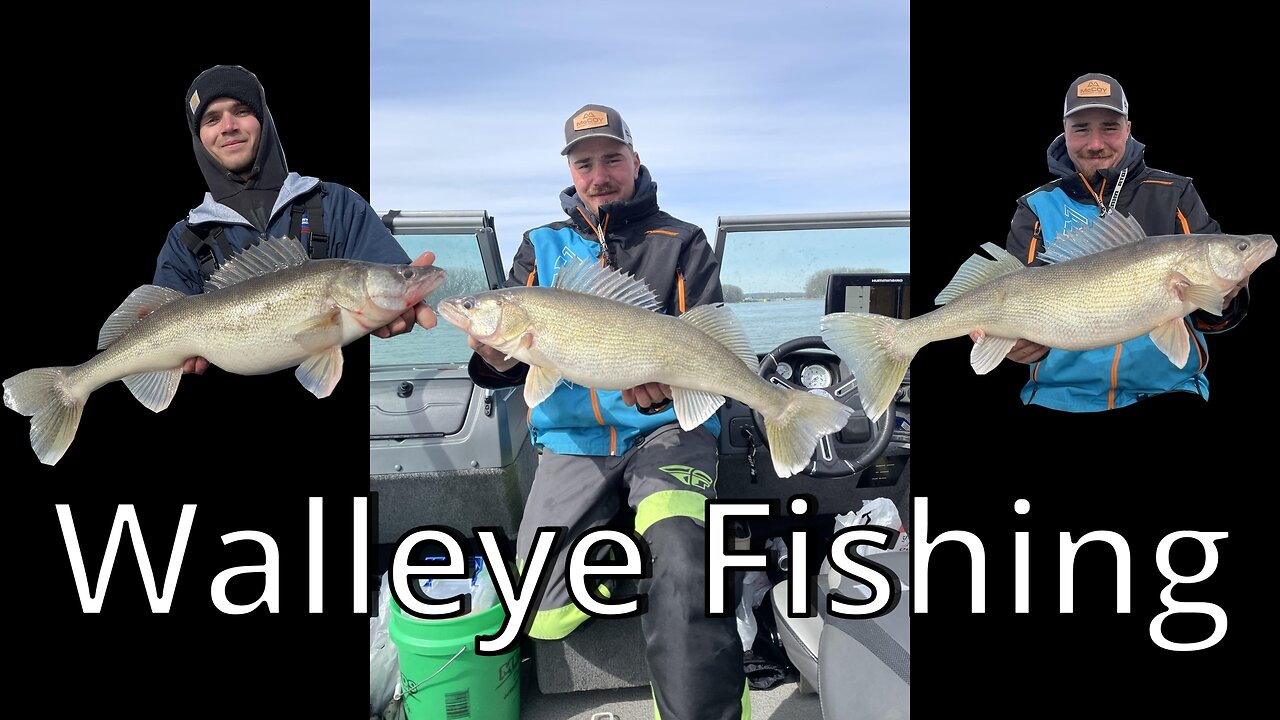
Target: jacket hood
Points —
{"points": [[254, 197]]}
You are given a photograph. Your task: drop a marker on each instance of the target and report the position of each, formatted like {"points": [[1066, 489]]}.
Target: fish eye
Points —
{"points": [[407, 273], [1242, 245], [468, 303]]}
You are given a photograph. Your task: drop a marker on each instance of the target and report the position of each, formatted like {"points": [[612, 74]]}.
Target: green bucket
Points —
{"points": [[442, 677]]}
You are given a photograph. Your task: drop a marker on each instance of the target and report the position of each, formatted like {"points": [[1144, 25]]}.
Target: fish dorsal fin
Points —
{"points": [[271, 255], [140, 303], [1109, 231], [719, 322], [978, 270], [587, 277]]}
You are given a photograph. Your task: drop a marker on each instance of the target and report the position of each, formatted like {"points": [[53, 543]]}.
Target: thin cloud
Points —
{"points": [[736, 110]]}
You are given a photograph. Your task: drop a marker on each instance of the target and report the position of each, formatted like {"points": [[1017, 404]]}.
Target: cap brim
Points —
{"points": [[576, 140], [1090, 106]]}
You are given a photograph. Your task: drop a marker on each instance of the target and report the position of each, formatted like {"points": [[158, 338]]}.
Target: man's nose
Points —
{"points": [[228, 123]]}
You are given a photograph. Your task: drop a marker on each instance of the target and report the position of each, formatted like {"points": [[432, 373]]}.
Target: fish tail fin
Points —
{"points": [[55, 413], [869, 345], [796, 430]]}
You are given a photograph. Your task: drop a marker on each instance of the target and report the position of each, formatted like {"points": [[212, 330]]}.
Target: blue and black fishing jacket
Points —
{"points": [[1163, 204]]}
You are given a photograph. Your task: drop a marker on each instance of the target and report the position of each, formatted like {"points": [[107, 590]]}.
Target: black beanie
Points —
{"points": [[218, 81]]}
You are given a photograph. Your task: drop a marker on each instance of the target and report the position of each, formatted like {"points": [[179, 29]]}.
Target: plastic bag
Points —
{"points": [[384, 663], [484, 594], [755, 584], [882, 512]]}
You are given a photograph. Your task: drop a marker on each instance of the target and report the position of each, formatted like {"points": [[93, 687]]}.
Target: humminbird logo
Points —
{"points": [[896, 281], [590, 119], [1093, 88]]}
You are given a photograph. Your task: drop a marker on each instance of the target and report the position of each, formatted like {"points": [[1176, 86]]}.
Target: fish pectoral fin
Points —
{"points": [[155, 390], [525, 342], [1202, 296], [539, 384], [693, 407], [320, 332], [320, 372], [1173, 340], [988, 352]]}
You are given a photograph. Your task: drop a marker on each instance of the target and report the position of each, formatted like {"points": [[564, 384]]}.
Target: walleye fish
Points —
{"points": [[600, 328], [1106, 283], [269, 308]]}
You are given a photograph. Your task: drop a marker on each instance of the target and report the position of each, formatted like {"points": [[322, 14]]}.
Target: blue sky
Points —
{"points": [[737, 108]]}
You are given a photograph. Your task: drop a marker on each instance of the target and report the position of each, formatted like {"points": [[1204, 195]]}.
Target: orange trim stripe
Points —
{"points": [[1202, 361], [613, 432], [1186, 229], [663, 232], [588, 220], [1096, 196], [1031, 251], [595, 406], [533, 275], [1158, 182], [1115, 367], [680, 291]]}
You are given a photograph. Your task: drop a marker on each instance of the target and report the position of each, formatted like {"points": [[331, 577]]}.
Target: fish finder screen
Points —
{"points": [[879, 294]]}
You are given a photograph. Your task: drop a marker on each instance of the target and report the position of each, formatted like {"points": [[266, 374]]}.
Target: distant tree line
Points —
{"points": [[816, 285]]}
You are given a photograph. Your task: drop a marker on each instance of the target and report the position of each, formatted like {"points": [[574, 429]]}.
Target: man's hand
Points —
{"points": [[1231, 295], [646, 395], [496, 358], [1023, 351], [195, 366], [422, 314]]}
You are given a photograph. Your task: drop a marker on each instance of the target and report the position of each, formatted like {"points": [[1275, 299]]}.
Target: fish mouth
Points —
{"points": [[1264, 248], [416, 283], [449, 310], [429, 281]]}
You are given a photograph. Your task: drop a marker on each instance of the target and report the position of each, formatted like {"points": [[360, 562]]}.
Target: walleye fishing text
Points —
{"points": [[519, 592]]}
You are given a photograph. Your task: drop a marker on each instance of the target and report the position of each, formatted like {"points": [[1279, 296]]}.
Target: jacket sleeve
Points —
{"points": [[1195, 219], [523, 265], [1026, 239], [361, 234], [176, 267], [701, 272], [481, 372]]}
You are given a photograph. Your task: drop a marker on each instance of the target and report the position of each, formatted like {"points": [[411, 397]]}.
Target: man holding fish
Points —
{"points": [[1101, 171], [252, 196], [602, 447]]}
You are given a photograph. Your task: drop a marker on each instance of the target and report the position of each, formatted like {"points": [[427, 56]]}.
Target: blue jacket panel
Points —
{"points": [[566, 422], [355, 231]]}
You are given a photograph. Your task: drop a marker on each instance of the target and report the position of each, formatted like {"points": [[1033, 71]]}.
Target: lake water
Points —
{"points": [[767, 324]]}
